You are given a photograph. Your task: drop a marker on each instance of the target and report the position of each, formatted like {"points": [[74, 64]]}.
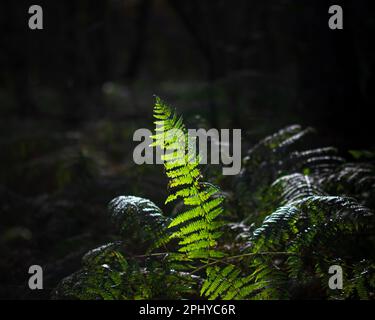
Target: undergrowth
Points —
{"points": [[297, 211]]}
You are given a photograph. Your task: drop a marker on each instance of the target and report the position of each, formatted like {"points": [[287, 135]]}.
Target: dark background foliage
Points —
{"points": [[72, 95]]}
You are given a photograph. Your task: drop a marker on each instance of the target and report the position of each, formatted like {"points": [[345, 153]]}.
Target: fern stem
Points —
{"points": [[157, 254], [226, 259]]}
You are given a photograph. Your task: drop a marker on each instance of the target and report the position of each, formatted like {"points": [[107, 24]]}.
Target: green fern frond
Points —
{"points": [[197, 228], [291, 219], [295, 186], [223, 282]]}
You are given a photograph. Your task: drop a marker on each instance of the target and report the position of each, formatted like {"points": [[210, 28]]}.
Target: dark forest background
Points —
{"points": [[72, 94]]}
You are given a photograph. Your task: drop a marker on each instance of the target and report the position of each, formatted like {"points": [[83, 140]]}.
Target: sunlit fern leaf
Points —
{"points": [[197, 228]]}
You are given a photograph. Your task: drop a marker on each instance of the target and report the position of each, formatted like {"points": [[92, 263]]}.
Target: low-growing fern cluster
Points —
{"points": [[315, 211], [294, 211]]}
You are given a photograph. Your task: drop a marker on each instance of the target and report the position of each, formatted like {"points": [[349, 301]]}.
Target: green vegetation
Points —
{"points": [[294, 212]]}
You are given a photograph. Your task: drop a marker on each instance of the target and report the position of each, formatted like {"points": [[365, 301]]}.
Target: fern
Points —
{"points": [[304, 220], [309, 213], [304, 210], [126, 269], [197, 228], [310, 226], [225, 282]]}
